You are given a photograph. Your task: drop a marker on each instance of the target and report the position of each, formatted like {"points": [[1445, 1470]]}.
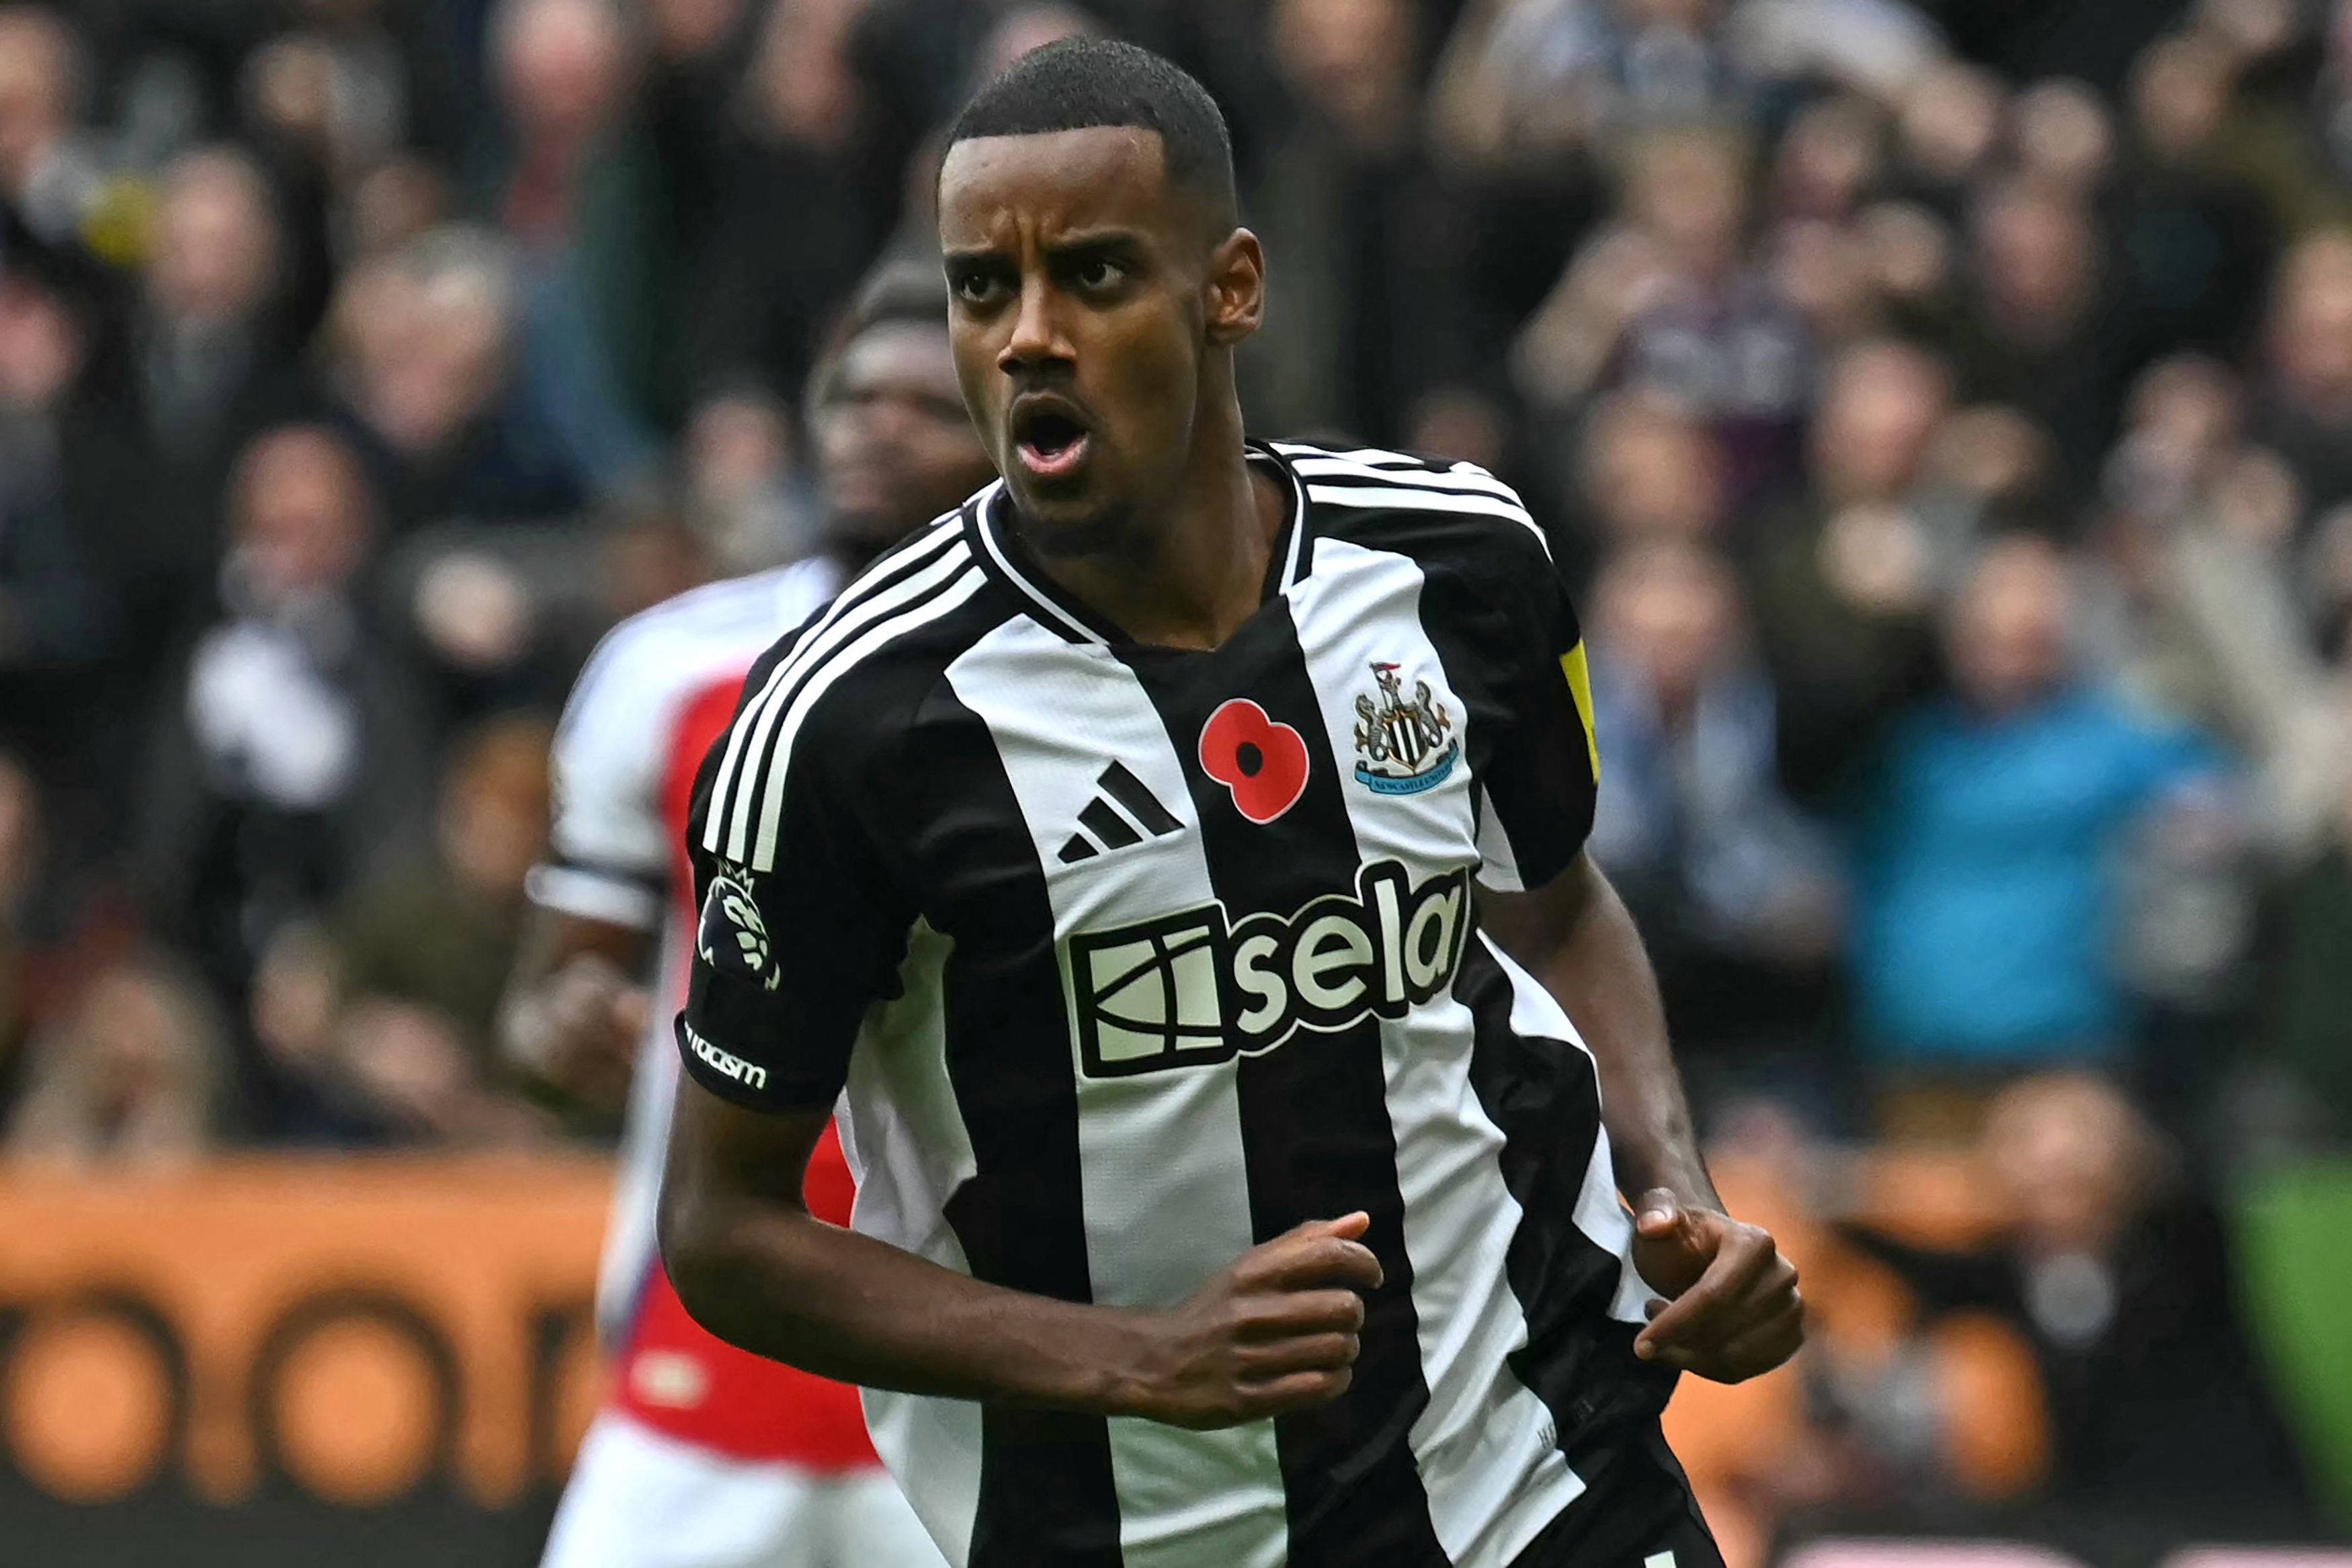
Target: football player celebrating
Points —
{"points": [[1228, 1194], [705, 1457]]}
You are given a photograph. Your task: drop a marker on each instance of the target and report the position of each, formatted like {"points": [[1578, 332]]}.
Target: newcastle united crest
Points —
{"points": [[1404, 745]]}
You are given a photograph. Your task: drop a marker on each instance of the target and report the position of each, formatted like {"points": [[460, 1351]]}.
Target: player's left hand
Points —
{"points": [[1733, 1308]]}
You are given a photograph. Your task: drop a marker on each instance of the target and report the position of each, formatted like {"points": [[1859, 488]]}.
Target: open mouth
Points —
{"points": [[1052, 441]]}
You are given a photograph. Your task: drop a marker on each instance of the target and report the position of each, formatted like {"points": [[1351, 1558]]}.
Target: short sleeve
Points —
{"points": [[1540, 769], [797, 935], [608, 854]]}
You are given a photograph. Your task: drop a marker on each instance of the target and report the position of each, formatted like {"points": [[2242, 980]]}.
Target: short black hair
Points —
{"points": [[1076, 84]]}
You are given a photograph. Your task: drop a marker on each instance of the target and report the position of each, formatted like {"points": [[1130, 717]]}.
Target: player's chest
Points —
{"points": [[1222, 848]]}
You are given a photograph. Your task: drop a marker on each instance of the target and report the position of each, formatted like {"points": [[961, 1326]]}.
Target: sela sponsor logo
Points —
{"points": [[749, 1075], [1404, 744], [1196, 987], [730, 936]]}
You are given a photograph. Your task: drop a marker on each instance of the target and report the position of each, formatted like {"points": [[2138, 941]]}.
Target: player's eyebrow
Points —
{"points": [[974, 256], [1096, 241]]}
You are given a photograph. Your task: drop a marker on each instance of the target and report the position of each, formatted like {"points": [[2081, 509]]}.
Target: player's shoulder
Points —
{"points": [[1433, 509]]}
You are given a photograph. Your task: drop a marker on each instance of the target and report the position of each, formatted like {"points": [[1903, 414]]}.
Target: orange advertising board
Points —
{"points": [[345, 1331]]}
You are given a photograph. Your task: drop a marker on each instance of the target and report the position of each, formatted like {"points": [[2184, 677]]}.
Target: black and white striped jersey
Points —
{"points": [[1122, 960]]}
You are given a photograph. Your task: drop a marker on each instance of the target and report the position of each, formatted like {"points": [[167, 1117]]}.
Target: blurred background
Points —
{"points": [[1942, 407]]}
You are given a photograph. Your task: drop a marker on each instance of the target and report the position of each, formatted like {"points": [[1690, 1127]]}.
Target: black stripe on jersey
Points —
{"points": [[1046, 1495], [1314, 1116], [1542, 1094]]}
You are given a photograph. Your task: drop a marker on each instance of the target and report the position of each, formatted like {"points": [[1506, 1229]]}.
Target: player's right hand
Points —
{"points": [[592, 1021], [1275, 1332]]}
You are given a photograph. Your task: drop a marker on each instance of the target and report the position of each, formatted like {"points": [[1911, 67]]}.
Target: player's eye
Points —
{"points": [[975, 286], [1099, 272]]}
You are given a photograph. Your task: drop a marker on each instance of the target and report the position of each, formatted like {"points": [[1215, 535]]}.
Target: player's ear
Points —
{"points": [[1236, 288]]}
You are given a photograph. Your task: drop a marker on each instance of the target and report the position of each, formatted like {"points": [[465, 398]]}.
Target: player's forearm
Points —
{"points": [[1592, 960], [780, 1284]]}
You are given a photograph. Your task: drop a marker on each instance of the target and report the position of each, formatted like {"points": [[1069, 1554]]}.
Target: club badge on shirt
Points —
{"points": [[1404, 745]]}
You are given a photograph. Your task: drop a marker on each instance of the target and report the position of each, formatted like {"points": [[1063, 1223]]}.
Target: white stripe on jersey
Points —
{"points": [[1398, 498], [904, 1183], [1166, 1182], [1483, 1444], [942, 532], [823, 669], [1359, 454], [1464, 477]]}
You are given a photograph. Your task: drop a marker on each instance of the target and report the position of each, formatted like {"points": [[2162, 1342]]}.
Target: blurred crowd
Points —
{"points": [[1942, 407]]}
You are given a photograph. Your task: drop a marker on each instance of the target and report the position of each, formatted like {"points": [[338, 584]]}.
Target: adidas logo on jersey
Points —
{"points": [[1192, 988], [1123, 814]]}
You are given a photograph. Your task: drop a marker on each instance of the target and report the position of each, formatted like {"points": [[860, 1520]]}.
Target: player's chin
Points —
{"points": [[1064, 519]]}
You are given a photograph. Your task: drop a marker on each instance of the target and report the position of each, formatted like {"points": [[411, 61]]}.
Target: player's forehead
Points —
{"points": [[995, 192]]}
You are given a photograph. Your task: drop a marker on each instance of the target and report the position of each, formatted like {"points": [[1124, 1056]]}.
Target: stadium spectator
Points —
{"points": [[287, 750], [55, 610], [2193, 237], [49, 169], [1735, 892], [2048, 330], [1370, 237], [135, 1074], [799, 209], [421, 949], [2162, 1426], [1670, 303], [423, 348], [2305, 402], [571, 176], [1647, 473], [1846, 576], [1985, 899], [203, 363]]}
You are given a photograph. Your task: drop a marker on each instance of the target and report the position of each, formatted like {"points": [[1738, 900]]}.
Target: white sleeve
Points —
{"points": [[609, 854]]}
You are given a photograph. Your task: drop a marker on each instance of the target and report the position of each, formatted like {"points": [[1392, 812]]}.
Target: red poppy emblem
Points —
{"points": [[1261, 759]]}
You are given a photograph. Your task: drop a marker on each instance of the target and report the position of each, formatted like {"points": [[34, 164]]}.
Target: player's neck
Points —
{"points": [[1199, 571]]}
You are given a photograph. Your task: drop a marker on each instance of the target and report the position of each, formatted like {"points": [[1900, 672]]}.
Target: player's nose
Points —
{"points": [[1036, 339]]}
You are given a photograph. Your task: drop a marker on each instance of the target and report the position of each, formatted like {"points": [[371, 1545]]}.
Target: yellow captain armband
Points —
{"points": [[1580, 686]]}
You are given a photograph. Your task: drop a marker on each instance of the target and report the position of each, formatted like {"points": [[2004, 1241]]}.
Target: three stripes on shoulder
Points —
{"points": [[1371, 477]]}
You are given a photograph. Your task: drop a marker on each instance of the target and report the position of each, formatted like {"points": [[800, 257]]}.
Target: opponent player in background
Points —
{"points": [[705, 1456], [1227, 1198]]}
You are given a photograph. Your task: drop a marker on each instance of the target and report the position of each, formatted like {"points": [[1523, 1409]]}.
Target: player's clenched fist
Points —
{"points": [[1275, 1333]]}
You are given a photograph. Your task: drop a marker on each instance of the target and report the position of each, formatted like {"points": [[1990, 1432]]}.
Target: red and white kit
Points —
{"points": [[703, 1456]]}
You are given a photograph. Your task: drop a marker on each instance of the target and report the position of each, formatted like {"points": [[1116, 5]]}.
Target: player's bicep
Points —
{"points": [[720, 1151]]}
